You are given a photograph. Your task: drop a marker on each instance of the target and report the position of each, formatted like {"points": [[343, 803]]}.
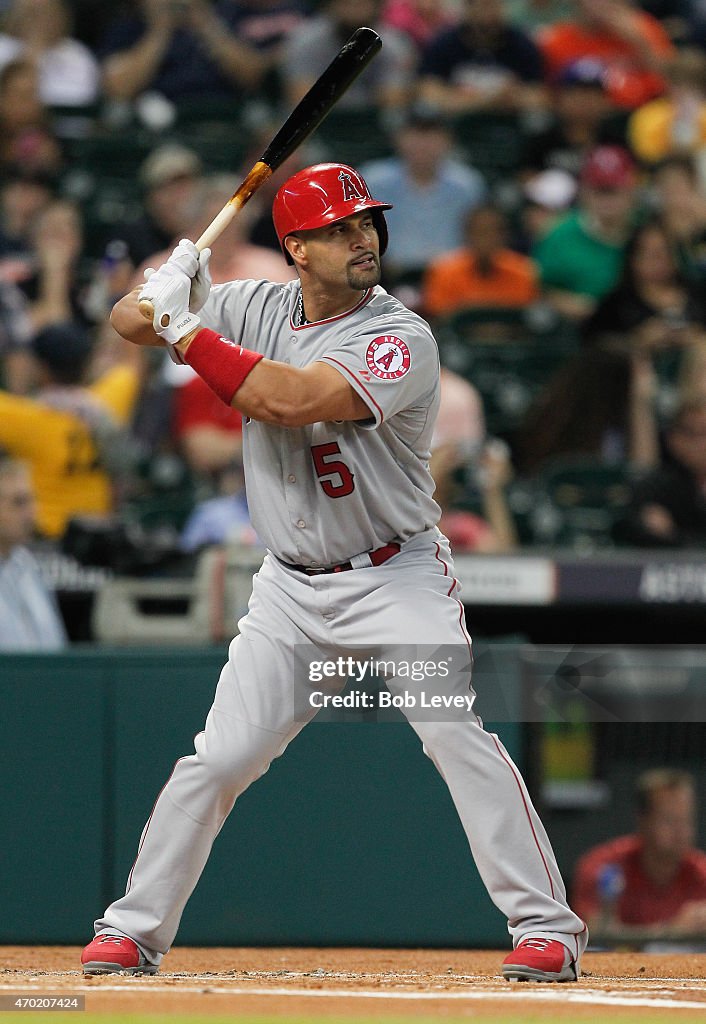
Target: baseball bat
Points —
{"points": [[308, 114]]}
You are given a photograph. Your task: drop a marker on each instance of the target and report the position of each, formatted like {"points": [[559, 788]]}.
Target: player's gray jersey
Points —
{"points": [[322, 493]]}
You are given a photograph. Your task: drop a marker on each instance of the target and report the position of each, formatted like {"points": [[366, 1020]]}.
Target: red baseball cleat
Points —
{"points": [[115, 954], [540, 960]]}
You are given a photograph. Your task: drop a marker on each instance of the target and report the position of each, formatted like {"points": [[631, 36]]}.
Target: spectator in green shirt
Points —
{"points": [[581, 258]]}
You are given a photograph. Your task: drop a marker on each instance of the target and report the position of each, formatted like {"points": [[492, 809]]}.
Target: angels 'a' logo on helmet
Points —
{"points": [[388, 357], [351, 188]]}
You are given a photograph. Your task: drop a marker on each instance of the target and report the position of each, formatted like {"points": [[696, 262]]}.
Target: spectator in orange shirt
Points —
{"points": [[484, 273], [651, 884], [633, 46]]}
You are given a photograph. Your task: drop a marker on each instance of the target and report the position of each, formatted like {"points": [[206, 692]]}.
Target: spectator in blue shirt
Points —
{"points": [[431, 193]]}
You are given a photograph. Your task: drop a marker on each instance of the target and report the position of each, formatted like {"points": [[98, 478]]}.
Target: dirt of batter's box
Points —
{"points": [[366, 966], [367, 984]]}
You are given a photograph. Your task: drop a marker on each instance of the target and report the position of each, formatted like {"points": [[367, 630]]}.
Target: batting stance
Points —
{"points": [[339, 386]]}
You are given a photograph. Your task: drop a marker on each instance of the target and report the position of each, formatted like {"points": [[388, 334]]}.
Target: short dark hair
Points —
{"points": [[657, 779], [64, 349]]}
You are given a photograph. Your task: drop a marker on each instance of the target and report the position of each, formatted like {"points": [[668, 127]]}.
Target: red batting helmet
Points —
{"points": [[321, 195]]}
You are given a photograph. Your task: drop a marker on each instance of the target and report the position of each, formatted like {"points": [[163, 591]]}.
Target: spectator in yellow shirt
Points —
{"points": [[673, 124], [73, 437]]}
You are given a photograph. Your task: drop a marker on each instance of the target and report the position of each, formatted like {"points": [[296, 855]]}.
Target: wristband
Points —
{"points": [[220, 362]]}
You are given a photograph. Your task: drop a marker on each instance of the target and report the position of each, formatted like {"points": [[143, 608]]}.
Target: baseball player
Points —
{"points": [[338, 384]]}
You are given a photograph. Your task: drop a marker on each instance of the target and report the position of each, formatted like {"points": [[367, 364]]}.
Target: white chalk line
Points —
{"points": [[410, 976], [522, 991]]}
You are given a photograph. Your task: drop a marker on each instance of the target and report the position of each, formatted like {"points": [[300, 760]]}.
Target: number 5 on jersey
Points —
{"points": [[334, 475]]}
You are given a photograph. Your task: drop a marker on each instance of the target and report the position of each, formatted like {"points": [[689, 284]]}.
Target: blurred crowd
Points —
{"points": [[547, 164]]}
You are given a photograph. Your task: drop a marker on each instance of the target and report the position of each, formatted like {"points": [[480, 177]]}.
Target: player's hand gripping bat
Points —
{"points": [[345, 67]]}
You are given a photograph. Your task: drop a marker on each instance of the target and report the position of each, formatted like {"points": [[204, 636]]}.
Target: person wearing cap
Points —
{"points": [[581, 258], [580, 121], [546, 200], [632, 46], [431, 191], [170, 178], [71, 435], [673, 124]]}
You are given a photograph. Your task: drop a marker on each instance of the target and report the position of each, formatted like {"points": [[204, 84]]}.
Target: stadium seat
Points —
{"points": [[575, 503], [353, 136], [509, 374], [493, 143]]}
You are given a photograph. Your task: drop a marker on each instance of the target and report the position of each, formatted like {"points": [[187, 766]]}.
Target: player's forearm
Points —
{"points": [[278, 394], [130, 323], [270, 391]]}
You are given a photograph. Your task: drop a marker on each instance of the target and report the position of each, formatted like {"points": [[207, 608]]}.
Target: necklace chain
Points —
{"points": [[301, 319]]}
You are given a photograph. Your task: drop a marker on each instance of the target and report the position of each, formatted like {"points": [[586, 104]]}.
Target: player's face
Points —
{"points": [[345, 252]]}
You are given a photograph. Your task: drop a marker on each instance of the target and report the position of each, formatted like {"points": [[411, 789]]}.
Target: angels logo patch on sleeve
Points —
{"points": [[388, 357]]}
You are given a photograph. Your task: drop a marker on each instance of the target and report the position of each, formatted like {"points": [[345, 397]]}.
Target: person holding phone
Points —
{"points": [[654, 307]]}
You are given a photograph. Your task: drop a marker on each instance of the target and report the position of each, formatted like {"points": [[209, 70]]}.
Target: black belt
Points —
{"points": [[377, 557]]}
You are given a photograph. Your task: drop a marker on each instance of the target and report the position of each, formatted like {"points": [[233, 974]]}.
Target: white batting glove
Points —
{"points": [[169, 276], [201, 283], [187, 259], [168, 290]]}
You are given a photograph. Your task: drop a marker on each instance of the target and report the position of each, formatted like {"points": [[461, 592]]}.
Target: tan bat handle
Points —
{"points": [[256, 177]]}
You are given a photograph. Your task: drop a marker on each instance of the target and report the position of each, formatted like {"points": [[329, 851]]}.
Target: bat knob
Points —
{"points": [[146, 308]]}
